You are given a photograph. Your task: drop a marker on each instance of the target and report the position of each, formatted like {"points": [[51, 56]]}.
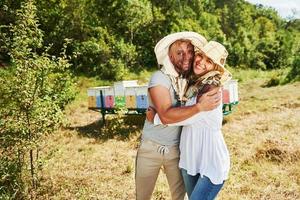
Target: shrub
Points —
{"points": [[34, 91]]}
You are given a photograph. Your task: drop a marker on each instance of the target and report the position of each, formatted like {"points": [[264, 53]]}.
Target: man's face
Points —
{"points": [[181, 54]]}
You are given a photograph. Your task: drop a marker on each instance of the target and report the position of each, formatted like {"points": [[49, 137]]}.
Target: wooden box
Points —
{"points": [[130, 97], [91, 98]]}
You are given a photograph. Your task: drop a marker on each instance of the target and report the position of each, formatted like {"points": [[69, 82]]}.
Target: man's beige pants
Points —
{"points": [[150, 158]]}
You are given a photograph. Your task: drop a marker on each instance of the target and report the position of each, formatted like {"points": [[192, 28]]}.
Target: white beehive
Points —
{"points": [[120, 86], [91, 92], [230, 87], [141, 90], [235, 91], [231, 92]]}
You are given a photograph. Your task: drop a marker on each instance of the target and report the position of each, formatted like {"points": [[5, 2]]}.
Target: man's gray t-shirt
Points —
{"points": [[162, 134]]}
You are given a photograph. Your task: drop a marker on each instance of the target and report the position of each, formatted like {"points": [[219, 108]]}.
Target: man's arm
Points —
{"points": [[162, 102], [189, 121]]}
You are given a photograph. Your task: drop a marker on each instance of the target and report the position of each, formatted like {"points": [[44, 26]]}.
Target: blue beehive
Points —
{"points": [[141, 97], [142, 101], [106, 91]]}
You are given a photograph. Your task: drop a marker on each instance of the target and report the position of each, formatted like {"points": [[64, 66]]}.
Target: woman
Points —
{"points": [[204, 158]]}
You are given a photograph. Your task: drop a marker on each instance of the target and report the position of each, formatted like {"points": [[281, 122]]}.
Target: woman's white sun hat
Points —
{"points": [[162, 47], [215, 51], [218, 54]]}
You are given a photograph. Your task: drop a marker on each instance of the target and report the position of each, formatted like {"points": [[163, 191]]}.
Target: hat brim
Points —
{"points": [[161, 49], [221, 68]]}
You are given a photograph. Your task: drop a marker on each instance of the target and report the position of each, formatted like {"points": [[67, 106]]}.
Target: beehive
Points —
{"points": [[119, 88], [130, 97], [109, 101], [109, 98], [141, 96], [91, 98], [225, 95], [120, 101], [230, 92], [99, 101], [235, 91]]}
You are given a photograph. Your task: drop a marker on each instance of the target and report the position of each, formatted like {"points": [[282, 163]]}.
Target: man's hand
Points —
{"points": [[209, 100], [150, 114]]}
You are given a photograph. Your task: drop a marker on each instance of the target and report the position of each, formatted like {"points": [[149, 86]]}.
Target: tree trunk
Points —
{"points": [[32, 169]]}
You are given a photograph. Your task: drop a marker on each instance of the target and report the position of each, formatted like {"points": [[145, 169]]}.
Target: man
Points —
{"points": [[159, 145]]}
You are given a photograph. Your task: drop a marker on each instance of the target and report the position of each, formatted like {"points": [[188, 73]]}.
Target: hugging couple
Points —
{"points": [[182, 132]]}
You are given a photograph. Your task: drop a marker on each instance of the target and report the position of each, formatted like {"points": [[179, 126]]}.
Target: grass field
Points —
{"points": [[86, 161]]}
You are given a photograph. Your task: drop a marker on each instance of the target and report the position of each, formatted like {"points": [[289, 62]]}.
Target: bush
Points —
{"points": [[34, 91], [106, 56], [294, 74]]}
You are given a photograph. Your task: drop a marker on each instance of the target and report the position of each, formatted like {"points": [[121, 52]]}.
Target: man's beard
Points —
{"points": [[181, 71]]}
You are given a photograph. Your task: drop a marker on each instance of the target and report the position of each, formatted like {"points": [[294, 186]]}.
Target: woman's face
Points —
{"points": [[202, 64]]}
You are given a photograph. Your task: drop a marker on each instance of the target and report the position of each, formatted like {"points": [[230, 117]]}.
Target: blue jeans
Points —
{"points": [[200, 188]]}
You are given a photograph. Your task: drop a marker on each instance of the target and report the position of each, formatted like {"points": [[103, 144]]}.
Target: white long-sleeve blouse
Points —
{"points": [[202, 147]]}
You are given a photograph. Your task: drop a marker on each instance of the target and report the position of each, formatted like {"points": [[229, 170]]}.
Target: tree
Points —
{"points": [[34, 92]]}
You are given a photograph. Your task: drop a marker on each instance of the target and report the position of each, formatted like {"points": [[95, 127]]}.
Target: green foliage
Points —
{"points": [[106, 56], [34, 92], [10, 182], [7, 16], [294, 74], [114, 37]]}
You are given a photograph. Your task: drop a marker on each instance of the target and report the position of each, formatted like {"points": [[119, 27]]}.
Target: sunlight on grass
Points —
{"points": [[85, 160]]}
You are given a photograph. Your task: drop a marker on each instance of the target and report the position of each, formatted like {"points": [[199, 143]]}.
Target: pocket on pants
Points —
{"points": [[146, 149], [173, 153]]}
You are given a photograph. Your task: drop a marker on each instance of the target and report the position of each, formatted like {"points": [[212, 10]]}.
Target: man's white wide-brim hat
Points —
{"points": [[162, 47]]}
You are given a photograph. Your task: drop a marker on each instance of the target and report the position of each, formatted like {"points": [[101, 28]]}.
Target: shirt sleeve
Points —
{"points": [[158, 78], [189, 121]]}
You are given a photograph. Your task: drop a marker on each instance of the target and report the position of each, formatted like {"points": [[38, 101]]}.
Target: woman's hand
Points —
{"points": [[150, 113]]}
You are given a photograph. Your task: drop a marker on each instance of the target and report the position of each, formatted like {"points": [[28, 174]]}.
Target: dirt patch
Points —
{"points": [[291, 105], [276, 151]]}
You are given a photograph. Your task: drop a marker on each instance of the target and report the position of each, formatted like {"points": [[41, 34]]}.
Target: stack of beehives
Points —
{"points": [[130, 95], [126, 94]]}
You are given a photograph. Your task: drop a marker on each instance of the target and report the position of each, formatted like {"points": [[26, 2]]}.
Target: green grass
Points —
{"points": [[86, 161]]}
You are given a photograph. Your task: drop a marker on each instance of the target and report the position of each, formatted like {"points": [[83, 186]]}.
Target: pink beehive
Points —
{"points": [[109, 101], [225, 95], [109, 97]]}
